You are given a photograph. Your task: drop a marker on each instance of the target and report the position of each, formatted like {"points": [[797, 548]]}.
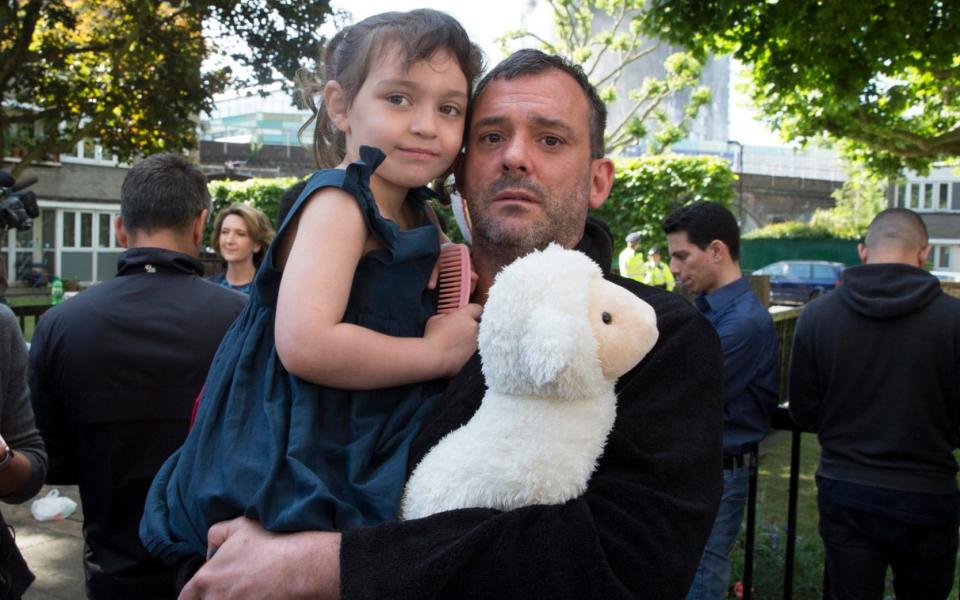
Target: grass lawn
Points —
{"points": [[770, 540]]}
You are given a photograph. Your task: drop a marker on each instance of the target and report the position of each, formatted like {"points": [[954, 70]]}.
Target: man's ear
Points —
{"points": [[122, 235], [718, 250], [601, 180], [863, 253], [198, 225], [336, 105], [922, 255]]}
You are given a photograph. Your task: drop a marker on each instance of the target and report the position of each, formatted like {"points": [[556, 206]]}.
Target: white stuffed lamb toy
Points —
{"points": [[554, 338]]}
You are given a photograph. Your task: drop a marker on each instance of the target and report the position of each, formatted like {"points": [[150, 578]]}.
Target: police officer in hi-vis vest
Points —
{"points": [[631, 261], [656, 273]]}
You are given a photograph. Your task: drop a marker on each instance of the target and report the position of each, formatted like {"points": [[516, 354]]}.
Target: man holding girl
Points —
{"points": [[533, 165]]}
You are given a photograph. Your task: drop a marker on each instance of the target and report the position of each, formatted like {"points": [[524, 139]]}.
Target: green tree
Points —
{"points": [[648, 188], [604, 55], [135, 75], [882, 76]]}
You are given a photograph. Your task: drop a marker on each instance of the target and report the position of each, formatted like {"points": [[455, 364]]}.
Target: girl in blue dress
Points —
{"points": [[320, 385]]}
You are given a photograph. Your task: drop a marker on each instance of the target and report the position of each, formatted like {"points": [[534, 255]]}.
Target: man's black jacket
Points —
{"points": [[113, 376], [639, 529]]}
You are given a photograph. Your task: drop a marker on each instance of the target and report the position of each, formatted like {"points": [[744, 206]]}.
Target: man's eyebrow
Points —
{"points": [[540, 121], [551, 123], [491, 121]]}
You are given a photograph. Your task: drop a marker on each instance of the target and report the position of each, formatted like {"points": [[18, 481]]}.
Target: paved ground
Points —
{"points": [[53, 549]]}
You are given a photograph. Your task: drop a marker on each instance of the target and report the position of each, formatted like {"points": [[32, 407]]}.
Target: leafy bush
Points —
{"points": [[792, 230], [646, 189], [261, 193]]}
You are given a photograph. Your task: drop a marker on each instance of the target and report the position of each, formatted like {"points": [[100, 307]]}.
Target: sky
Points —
{"points": [[485, 20]]}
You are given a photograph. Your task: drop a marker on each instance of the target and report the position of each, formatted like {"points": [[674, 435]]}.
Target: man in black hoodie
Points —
{"points": [[875, 371]]}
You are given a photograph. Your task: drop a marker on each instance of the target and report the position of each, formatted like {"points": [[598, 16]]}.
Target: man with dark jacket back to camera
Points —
{"points": [[115, 370], [876, 371]]}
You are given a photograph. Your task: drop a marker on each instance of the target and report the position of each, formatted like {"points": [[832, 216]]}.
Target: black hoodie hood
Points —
{"points": [[887, 290]]}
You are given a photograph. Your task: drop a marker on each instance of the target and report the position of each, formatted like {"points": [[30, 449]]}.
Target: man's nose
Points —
{"points": [[515, 155]]}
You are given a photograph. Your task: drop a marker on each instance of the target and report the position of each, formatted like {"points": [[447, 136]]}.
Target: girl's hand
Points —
{"points": [[452, 338]]}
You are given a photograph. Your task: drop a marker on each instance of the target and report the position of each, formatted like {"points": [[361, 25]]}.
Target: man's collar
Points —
{"points": [[719, 298], [157, 260], [597, 243]]}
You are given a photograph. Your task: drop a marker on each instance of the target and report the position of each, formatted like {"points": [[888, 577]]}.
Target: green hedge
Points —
{"points": [[261, 193], [648, 188]]}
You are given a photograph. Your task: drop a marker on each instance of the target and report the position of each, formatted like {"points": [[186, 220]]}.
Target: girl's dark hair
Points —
{"points": [[417, 35]]}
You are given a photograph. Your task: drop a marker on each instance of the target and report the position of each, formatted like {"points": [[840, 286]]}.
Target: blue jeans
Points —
{"points": [[712, 579]]}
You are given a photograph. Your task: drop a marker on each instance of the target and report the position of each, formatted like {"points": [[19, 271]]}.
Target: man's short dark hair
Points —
{"points": [[704, 222], [163, 191], [900, 226], [535, 62]]}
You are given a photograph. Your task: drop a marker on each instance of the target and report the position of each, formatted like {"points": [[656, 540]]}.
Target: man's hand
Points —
{"points": [[250, 562]]}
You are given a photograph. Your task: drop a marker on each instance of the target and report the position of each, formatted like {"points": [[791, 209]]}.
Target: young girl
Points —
{"points": [[340, 303]]}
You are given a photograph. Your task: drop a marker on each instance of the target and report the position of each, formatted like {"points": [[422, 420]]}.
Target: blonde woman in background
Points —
{"points": [[240, 236]]}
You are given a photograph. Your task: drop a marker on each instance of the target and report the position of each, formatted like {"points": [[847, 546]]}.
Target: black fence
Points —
{"points": [[785, 322]]}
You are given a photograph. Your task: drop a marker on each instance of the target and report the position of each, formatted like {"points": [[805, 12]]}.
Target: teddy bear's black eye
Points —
{"points": [[606, 317]]}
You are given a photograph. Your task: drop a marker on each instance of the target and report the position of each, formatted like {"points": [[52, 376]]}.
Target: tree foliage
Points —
{"points": [[648, 188], [605, 54], [129, 73], [882, 76]]}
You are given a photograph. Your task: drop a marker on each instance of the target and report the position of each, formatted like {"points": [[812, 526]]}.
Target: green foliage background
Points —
{"points": [[261, 193], [879, 75], [647, 189]]}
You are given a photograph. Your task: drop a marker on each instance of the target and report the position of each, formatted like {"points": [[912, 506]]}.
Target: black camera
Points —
{"points": [[18, 207]]}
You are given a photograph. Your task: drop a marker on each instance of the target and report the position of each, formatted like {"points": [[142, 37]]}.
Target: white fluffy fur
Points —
{"points": [[549, 407]]}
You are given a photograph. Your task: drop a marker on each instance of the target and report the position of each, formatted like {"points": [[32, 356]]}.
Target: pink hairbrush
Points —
{"points": [[453, 282]]}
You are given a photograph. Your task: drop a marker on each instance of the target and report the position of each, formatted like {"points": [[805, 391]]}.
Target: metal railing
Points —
{"points": [[33, 311], [785, 322]]}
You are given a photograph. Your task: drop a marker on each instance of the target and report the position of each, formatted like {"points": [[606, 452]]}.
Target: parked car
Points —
{"points": [[799, 281]]}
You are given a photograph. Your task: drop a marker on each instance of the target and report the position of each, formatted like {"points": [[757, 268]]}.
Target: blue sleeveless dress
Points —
{"points": [[294, 455]]}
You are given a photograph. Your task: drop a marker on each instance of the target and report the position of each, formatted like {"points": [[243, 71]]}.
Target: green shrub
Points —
{"points": [[647, 189], [261, 193]]}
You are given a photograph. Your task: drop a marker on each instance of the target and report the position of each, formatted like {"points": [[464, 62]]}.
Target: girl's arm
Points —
{"points": [[319, 256]]}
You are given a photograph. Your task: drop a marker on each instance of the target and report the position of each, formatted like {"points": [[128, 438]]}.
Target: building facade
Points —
{"points": [[936, 197], [79, 197]]}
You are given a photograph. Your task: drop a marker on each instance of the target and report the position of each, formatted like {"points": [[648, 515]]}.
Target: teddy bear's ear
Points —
{"points": [[549, 344]]}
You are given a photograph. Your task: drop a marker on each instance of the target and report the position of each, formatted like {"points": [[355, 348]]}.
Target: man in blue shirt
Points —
{"points": [[704, 243]]}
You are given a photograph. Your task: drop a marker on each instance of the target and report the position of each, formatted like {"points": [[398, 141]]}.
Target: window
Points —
{"points": [[798, 270], [942, 204], [928, 196], [823, 272], [914, 200], [939, 258], [86, 230], [901, 198], [103, 230], [69, 229]]}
